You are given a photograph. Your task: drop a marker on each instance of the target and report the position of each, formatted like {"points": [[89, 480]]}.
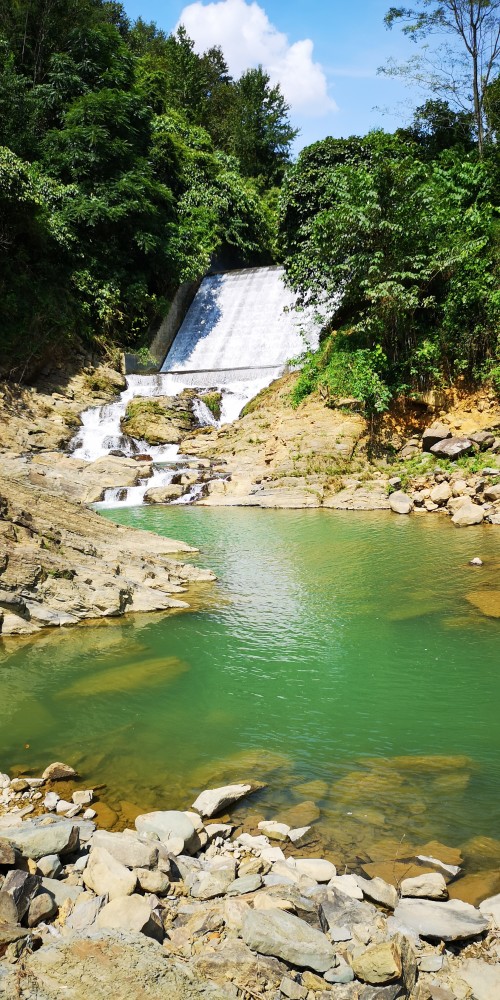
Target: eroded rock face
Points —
{"points": [[53, 576], [162, 420]]}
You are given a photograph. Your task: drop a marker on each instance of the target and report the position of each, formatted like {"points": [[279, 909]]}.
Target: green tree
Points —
{"points": [[464, 74], [261, 134]]}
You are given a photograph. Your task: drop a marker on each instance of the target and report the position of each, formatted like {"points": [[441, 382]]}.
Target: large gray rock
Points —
{"points": [[126, 849], [485, 439], [169, 825], [215, 800], [378, 891], [450, 921], [275, 932], [61, 891], [400, 503], [453, 447], [131, 913], [434, 434], [340, 910], [209, 884], [316, 868], [441, 493], [85, 912], [35, 841], [467, 514], [50, 866], [104, 874]]}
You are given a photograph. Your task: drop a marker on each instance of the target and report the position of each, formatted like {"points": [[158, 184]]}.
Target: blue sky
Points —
{"points": [[324, 53]]}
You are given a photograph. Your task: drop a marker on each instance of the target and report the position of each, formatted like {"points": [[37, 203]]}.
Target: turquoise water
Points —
{"points": [[331, 644]]}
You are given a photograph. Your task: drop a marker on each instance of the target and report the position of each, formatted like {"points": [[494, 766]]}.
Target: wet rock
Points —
{"points": [[379, 891], [104, 874], [164, 494], [36, 841], [468, 514], [400, 503], [431, 886], [131, 913], [453, 447], [476, 561], [42, 907], [215, 800], [274, 830], [83, 797], [450, 921], [59, 772], [434, 434], [280, 934], [168, 825], [126, 849], [21, 888]]}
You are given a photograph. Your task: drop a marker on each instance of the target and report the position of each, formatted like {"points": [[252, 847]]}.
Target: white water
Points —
{"points": [[238, 336]]}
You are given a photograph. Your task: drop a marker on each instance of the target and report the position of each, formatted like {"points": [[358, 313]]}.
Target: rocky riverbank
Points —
{"points": [[195, 904]]}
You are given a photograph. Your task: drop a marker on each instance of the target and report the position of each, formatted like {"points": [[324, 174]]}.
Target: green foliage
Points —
{"points": [[120, 173], [213, 401], [401, 250]]}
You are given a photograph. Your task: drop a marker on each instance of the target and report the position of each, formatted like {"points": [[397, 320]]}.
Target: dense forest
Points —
{"points": [[127, 161]]}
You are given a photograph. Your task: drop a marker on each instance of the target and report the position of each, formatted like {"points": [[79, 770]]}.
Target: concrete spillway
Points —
{"points": [[238, 335]]}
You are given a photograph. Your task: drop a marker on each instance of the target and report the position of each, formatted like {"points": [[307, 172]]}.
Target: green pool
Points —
{"points": [[341, 658]]}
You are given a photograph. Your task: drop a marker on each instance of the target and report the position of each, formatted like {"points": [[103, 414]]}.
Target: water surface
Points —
{"points": [[337, 649]]}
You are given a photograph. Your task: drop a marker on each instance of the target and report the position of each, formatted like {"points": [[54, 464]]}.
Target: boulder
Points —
{"points": [[131, 913], [21, 887], [164, 494], [400, 503], [42, 907], [492, 493], [316, 868], [348, 884], [450, 921], [215, 800], [61, 891], [210, 884], [247, 883], [441, 494], [467, 514], [104, 874], [128, 850], [379, 964], [343, 911], [50, 801], [491, 909], [59, 772], [50, 866], [168, 825], [434, 434], [273, 830], [485, 439], [430, 886], [232, 960], [155, 882], [379, 891], [36, 841], [275, 932], [85, 911], [83, 797], [452, 447]]}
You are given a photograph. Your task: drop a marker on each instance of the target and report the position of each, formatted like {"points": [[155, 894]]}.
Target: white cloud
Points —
{"points": [[247, 38]]}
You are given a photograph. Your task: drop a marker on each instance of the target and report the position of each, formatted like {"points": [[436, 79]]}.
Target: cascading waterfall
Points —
{"points": [[238, 336]]}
